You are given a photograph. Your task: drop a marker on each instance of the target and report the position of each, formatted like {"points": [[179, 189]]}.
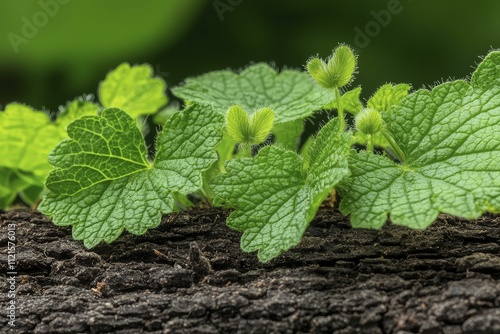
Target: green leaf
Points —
{"points": [[98, 149], [103, 183], [350, 101], [27, 136], [290, 94], [238, 124], [451, 139], [31, 194], [288, 134], [275, 199], [133, 89], [304, 152], [337, 72], [76, 109], [261, 124], [225, 149], [13, 182], [166, 113], [387, 96]]}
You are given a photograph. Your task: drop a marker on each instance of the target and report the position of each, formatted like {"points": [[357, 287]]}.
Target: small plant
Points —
{"points": [[427, 152]]}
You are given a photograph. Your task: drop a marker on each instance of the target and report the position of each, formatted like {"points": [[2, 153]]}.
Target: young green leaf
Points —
{"points": [[238, 124], [103, 183], [290, 94], [387, 96], [383, 99], [249, 130], [261, 123], [274, 197], [335, 73], [76, 109], [133, 89], [350, 101], [451, 139]]}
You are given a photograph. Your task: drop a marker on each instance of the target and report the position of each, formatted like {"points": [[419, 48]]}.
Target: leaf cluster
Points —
{"points": [[236, 142]]}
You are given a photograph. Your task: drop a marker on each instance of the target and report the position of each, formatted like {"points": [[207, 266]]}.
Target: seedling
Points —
{"points": [[437, 151], [334, 74]]}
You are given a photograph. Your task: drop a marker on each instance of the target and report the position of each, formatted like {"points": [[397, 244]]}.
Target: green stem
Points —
{"points": [[340, 109], [395, 147], [205, 194], [369, 145], [246, 150]]}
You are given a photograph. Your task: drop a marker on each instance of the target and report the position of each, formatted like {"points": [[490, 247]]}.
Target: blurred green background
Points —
{"points": [[54, 50]]}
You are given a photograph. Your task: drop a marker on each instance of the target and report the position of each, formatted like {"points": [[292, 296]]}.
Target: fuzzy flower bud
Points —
{"points": [[369, 121]]}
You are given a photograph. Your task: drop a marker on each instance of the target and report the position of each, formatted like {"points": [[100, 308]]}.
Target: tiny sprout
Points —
{"points": [[339, 70], [237, 124], [251, 130], [369, 121], [261, 124]]}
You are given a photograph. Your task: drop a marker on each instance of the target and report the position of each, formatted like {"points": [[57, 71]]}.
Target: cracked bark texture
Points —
{"points": [[190, 276]]}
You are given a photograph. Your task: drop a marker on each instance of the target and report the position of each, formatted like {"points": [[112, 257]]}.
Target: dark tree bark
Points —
{"points": [[190, 276]]}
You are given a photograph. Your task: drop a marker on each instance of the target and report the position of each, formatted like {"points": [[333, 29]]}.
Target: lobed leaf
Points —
{"points": [[103, 183], [76, 109], [387, 96], [133, 89], [290, 94], [350, 100], [451, 138], [288, 134], [26, 138], [274, 197]]}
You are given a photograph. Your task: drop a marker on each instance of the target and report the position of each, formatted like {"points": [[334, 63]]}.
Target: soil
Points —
{"points": [[190, 276]]}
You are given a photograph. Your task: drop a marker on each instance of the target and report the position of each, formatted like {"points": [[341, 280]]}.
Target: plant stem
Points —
{"points": [[340, 109], [369, 145], [246, 150], [395, 147]]}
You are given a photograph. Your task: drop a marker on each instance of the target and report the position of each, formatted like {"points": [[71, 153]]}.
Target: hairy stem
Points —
{"points": [[245, 150], [369, 145], [340, 110]]}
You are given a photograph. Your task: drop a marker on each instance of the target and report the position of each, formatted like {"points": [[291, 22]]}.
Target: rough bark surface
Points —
{"points": [[190, 276]]}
